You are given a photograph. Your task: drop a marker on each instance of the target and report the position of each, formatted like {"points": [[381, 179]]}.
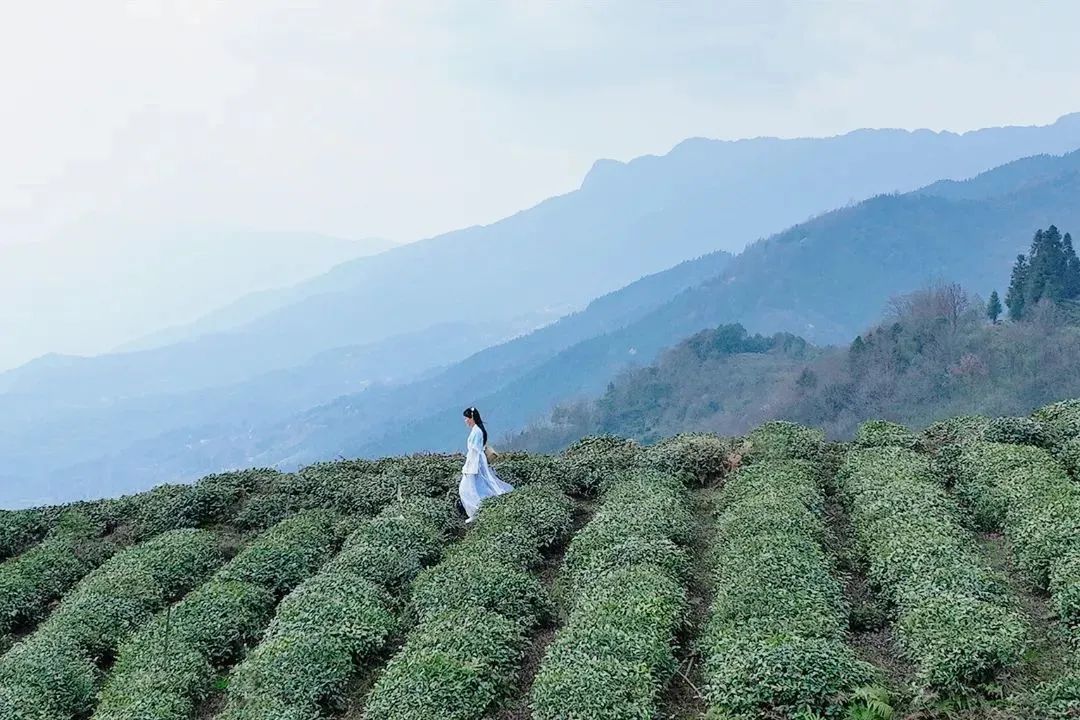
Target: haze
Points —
{"points": [[402, 120]]}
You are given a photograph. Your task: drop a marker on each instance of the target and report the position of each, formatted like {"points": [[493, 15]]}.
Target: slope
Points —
{"points": [[243, 424], [825, 280], [625, 221]]}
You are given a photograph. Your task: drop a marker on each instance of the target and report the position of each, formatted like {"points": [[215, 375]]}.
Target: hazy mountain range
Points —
{"points": [[826, 280], [222, 394], [93, 290]]}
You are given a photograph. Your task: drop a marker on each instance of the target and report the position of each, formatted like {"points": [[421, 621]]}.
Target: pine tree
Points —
{"points": [[993, 308], [1071, 283], [1014, 297], [1046, 267]]}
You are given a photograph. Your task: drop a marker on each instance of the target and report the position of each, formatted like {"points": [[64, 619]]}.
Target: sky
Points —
{"points": [[402, 120]]}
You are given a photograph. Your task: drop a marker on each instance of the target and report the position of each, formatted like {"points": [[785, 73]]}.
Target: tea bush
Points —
{"points": [[1070, 456], [342, 617], [1059, 698], [623, 578], [1016, 431], [1027, 493], [775, 638], [166, 668], [19, 529], [593, 461], [781, 440], [695, 459], [955, 620], [458, 662], [882, 433], [53, 673], [1061, 419], [954, 430], [528, 469], [31, 581], [350, 487]]}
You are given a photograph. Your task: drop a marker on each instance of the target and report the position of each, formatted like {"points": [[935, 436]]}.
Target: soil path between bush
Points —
{"points": [[869, 621], [1049, 645], [683, 698], [516, 707]]}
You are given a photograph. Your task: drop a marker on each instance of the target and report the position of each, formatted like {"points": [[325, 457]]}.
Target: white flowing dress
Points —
{"points": [[478, 480]]}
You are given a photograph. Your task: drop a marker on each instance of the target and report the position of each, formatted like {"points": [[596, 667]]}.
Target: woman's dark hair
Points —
{"points": [[474, 415]]}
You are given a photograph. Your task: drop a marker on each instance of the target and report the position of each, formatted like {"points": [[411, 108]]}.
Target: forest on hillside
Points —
{"points": [[938, 352]]}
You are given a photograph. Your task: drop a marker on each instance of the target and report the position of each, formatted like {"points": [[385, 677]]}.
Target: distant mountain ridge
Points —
{"points": [[838, 270], [627, 220], [826, 279], [92, 290]]}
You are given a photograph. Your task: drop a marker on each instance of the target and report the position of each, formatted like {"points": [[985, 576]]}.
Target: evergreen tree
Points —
{"points": [[1014, 297], [1046, 267], [1071, 284], [993, 308]]}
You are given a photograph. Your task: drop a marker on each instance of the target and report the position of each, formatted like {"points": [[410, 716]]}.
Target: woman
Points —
{"points": [[478, 481]]}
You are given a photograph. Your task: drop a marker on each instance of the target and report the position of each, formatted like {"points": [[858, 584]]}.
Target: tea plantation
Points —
{"points": [[919, 575]]}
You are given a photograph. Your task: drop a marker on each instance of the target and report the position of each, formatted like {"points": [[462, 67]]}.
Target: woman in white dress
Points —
{"points": [[478, 480]]}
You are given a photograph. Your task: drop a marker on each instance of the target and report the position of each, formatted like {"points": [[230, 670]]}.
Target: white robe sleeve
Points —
{"points": [[473, 453]]}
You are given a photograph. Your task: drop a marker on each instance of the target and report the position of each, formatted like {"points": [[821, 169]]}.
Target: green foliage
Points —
{"points": [[169, 665], [615, 653], [1061, 419], [1058, 699], [31, 581], [212, 499], [993, 307], [52, 673], [954, 430], [1028, 494], [1015, 298], [955, 620], [593, 462], [466, 649], [870, 703], [623, 580], [776, 629], [1070, 456], [20, 529], [173, 659], [343, 616], [781, 440], [693, 458], [643, 522], [521, 469], [288, 553], [467, 580], [882, 433], [536, 518], [350, 487], [1051, 271], [454, 667], [1016, 430]]}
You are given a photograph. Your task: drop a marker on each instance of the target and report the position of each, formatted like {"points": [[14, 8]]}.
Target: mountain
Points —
{"points": [[92, 290], [235, 425], [826, 280], [935, 356], [36, 440], [829, 276], [625, 221]]}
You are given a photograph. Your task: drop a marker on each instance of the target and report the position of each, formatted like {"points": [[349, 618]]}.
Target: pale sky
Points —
{"points": [[404, 119]]}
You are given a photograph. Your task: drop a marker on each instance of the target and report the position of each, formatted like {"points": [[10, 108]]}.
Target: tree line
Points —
{"points": [[1049, 272]]}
